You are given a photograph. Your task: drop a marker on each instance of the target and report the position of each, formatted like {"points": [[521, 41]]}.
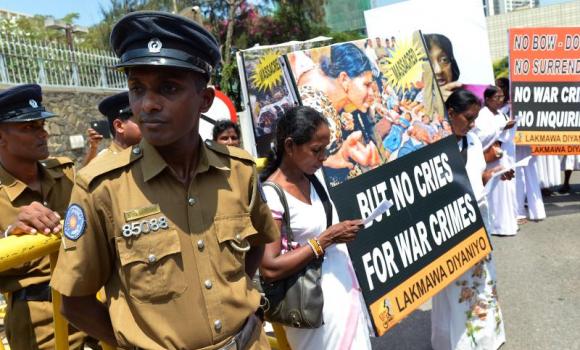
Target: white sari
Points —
{"points": [[466, 314], [346, 324]]}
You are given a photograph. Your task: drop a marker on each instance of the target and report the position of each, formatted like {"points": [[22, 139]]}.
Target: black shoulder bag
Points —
{"points": [[297, 300]]}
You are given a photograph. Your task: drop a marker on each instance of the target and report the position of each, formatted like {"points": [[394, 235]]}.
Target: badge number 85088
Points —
{"points": [[138, 227]]}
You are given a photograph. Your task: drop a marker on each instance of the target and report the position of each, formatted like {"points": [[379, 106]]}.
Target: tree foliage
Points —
{"points": [[501, 68], [300, 19], [33, 28], [237, 24]]}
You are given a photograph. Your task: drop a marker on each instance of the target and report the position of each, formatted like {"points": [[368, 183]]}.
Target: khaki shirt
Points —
{"points": [[57, 178], [113, 148], [181, 285]]}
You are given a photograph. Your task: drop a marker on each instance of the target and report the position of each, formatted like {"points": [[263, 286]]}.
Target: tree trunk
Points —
{"points": [[230, 32]]}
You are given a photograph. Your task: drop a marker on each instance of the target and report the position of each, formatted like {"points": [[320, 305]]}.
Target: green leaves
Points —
{"points": [[501, 68]]}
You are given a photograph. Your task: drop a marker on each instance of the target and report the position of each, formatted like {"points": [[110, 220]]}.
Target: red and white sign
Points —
{"points": [[222, 108]]}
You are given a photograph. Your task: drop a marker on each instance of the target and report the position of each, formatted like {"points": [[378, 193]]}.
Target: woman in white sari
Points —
{"points": [[302, 136], [466, 314], [493, 128]]}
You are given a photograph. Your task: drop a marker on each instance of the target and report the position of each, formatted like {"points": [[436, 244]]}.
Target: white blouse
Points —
{"points": [[475, 166]]}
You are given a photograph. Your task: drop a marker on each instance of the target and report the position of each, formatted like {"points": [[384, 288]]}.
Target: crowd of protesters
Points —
{"points": [[157, 156]]}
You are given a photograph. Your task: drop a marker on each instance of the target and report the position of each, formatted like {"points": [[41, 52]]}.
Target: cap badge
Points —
{"points": [[154, 45], [33, 103]]}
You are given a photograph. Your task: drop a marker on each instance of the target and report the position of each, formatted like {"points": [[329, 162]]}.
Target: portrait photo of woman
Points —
{"points": [[444, 64]]}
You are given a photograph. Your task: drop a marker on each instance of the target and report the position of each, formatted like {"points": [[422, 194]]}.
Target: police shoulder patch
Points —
{"points": [[51, 163], [74, 222], [233, 152], [101, 166]]}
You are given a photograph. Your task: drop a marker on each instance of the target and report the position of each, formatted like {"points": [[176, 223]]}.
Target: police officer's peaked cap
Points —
{"points": [[116, 107], [150, 38], [22, 103]]}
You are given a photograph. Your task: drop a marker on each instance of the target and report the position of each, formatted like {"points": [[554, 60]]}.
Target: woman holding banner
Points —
{"points": [[466, 314], [302, 136]]}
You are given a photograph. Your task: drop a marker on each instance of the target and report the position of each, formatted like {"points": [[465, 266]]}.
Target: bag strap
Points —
{"points": [[464, 149], [323, 198], [286, 216]]}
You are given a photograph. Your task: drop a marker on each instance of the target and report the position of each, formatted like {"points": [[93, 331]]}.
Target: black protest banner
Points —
{"points": [[390, 140], [431, 235], [545, 91]]}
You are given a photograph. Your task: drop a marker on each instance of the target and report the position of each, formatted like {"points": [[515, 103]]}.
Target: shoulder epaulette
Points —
{"points": [[107, 163], [51, 163], [234, 152]]}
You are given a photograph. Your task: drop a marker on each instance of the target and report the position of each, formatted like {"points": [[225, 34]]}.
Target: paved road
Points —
{"points": [[539, 284]]}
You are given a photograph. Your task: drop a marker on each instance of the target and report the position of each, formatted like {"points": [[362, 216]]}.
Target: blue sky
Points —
{"points": [[89, 9]]}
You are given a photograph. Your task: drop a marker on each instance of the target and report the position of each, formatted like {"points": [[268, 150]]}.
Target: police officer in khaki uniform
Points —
{"points": [[173, 227], [122, 124], [34, 194]]}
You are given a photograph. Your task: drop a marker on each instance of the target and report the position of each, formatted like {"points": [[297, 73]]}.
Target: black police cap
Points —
{"points": [[150, 38], [22, 103], [116, 107]]}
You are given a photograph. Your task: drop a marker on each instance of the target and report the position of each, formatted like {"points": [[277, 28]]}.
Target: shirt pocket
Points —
{"points": [[232, 234], [152, 266]]}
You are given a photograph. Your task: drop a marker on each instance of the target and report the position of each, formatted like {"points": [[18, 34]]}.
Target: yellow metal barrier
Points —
{"points": [[60, 323], [2, 314], [280, 336], [261, 164], [17, 250]]}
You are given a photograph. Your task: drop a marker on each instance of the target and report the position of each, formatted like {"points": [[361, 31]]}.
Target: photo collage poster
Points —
{"points": [[458, 47], [267, 94], [381, 103]]}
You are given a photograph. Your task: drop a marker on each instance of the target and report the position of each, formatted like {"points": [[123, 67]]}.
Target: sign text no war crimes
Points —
{"points": [[434, 212], [541, 106], [545, 91]]}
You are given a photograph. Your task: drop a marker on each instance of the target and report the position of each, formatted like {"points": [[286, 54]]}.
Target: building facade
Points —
{"points": [[5, 14], [498, 7], [346, 15], [559, 15]]}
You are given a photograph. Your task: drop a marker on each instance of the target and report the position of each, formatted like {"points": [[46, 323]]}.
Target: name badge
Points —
{"points": [[139, 213]]}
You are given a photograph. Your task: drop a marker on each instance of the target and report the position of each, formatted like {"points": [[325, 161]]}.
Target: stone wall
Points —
{"points": [[75, 108]]}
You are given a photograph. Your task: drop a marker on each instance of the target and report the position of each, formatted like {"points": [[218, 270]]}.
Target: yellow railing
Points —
{"points": [[2, 314], [261, 164], [17, 250]]}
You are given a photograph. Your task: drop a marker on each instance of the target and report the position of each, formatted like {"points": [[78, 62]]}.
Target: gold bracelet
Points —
{"points": [[314, 250], [319, 246], [315, 244]]}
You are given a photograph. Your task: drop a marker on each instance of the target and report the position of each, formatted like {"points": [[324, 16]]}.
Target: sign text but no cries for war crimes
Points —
{"points": [[385, 261]]}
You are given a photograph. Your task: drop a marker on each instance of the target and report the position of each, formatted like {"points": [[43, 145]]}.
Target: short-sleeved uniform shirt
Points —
{"points": [[164, 251], [113, 148], [29, 325], [57, 179]]}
